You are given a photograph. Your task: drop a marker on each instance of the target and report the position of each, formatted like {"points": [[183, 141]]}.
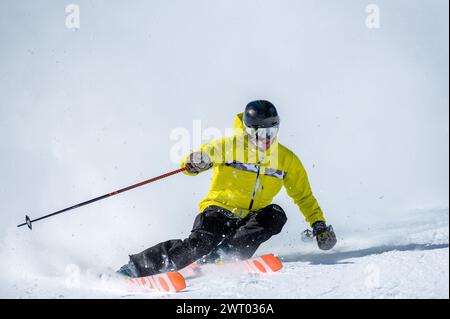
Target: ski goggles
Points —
{"points": [[262, 133]]}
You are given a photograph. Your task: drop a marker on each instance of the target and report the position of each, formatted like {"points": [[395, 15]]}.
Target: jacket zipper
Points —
{"points": [[256, 186]]}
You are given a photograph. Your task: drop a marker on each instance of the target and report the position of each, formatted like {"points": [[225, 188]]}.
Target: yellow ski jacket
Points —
{"points": [[246, 179]]}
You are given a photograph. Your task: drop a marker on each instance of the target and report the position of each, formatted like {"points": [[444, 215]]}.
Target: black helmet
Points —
{"points": [[261, 114]]}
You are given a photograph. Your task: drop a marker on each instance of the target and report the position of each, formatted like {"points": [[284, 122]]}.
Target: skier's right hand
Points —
{"points": [[198, 162]]}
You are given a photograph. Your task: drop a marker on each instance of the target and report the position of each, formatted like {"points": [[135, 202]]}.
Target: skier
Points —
{"points": [[237, 215]]}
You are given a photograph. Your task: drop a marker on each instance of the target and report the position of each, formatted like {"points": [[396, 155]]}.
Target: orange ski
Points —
{"points": [[166, 282], [263, 265], [259, 265]]}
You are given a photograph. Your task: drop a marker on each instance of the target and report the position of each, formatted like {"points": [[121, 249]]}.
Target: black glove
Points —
{"points": [[325, 236], [198, 162]]}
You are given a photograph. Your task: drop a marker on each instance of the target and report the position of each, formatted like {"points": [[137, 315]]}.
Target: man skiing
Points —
{"points": [[237, 215]]}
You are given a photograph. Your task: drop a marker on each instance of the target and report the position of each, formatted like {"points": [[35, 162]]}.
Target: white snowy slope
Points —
{"points": [[407, 259]]}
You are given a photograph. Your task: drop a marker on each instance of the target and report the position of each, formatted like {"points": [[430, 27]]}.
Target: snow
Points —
{"points": [[404, 260], [85, 113]]}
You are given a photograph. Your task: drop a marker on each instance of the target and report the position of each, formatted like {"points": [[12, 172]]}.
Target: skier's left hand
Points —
{"points": [[325, 236]]}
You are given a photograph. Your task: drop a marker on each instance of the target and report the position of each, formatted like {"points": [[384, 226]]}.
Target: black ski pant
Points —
{"points": [[215, 229]]}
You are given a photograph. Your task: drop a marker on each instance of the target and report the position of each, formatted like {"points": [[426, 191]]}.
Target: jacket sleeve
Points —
{"points": [[298, 188], [215, 151]]}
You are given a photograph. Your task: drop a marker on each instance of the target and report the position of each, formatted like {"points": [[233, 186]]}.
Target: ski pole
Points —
{"points": [[29, 222]]}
